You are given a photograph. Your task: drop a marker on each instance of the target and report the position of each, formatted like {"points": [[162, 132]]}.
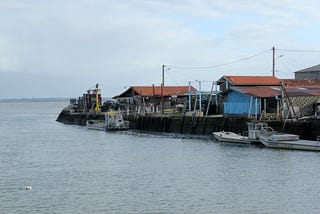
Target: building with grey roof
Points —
{"points": [[308, 73]]}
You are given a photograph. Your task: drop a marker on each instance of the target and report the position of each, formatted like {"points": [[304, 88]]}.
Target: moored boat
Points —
{"points": [[96, 125], [250, 136], [255, 129], [288, 141], [112, 121], [230, 137]]}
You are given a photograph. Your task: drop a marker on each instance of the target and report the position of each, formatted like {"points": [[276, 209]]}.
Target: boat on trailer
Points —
{"points": [[289, 141]]}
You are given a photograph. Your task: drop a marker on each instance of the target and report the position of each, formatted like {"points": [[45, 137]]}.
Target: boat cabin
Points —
{"points": [[256, 128], [114, 120]]}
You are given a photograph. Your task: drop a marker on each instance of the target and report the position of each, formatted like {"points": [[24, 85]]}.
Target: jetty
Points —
{"points": [[290, 106], [191, 125]]}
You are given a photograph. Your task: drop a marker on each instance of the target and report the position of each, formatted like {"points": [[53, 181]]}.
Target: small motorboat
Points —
{"points": [[96, 125], [288, 141], [257, 128], [230, 137], [113, 121], [250, 136]]}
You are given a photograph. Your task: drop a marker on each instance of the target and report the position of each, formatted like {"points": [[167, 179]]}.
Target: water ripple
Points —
{"points": [[73, 170]]}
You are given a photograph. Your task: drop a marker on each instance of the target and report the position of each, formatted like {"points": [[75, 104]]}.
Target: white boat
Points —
{"points": [[112, 121], [254, 131], [230, 137], [288, 141], [96, 125]]}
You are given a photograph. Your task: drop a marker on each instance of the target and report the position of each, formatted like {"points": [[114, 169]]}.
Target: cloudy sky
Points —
{"points": [[61, 48]]}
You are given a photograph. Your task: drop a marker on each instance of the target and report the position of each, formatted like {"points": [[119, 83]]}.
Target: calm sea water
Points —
{"points": [[74, 170]]}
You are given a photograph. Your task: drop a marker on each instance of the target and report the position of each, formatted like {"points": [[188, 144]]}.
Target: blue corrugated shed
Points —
{"points": [[238, 103]]}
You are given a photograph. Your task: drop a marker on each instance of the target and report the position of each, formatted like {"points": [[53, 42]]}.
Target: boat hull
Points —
{"points": [[95, 125], [117, 128], [230, 137], [107, 125], [269, 141]]}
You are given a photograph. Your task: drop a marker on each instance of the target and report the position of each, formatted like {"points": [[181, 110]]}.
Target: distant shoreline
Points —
{"points": [[35, 100]]}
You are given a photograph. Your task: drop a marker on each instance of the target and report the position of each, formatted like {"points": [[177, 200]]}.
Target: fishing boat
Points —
{"points": [[288, 141], [230, 137], [250, 136], [112, 121], [255, 129], [96, 125]]}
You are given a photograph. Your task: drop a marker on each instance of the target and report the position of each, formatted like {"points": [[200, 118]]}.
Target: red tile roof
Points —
{"points": [[272, 91], [167, 90], [259, 91], [252, 80], [299, 92], [295, 83], [150, 91]]}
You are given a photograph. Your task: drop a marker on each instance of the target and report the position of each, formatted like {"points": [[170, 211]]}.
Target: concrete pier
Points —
{"points": [[308, 130], [78, 118]]}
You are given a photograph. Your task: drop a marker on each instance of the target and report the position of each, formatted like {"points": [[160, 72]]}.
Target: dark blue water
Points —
{"points": [[74, 170]]}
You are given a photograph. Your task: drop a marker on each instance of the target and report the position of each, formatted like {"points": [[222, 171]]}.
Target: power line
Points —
{"points": [[294, 63], [305, 51], [219, 65]]}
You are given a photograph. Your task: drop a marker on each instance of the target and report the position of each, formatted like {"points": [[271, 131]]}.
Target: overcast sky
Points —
{"points": [[61, 48]]}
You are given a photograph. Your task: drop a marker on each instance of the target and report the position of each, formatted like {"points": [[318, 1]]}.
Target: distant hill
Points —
{"points": [[35, 100]]}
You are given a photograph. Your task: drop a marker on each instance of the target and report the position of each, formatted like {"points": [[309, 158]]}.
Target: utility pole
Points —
{"points": [[273, 61], [200, 100], [163, 74], [189, 95], [162, 85]]}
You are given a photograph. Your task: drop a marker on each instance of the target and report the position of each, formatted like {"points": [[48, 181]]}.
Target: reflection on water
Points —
{"points": [[74, 170]]}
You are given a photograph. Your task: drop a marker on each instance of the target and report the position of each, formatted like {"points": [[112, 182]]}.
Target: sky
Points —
{"points": [[61, 48]]}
